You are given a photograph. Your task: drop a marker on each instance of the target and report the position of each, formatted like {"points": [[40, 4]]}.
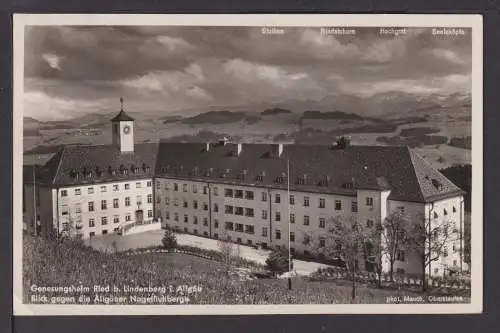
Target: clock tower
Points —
{"points": [[123, 131]]}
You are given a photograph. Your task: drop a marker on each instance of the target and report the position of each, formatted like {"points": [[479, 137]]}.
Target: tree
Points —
{"points": [[230, 252], [345, 238], [429, 239], [278, 260], [394, 237], [169, 239]]}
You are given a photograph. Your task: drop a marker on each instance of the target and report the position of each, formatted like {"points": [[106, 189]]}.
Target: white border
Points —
{"points": [[350, 20]]}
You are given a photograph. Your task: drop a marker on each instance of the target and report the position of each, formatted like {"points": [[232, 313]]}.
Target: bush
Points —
{"points": [[169, 240], [278, 261]]}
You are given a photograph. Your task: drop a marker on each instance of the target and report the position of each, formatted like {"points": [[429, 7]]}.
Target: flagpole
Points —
{"points": [[34, 200], [289, 242]]}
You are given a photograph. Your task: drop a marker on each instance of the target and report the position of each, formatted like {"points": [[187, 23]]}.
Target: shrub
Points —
{"points": [[278, 261], [169, 240]]}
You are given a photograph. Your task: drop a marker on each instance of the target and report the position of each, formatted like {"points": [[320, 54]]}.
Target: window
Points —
{"points": [[139, 199], [322, 223], [306, 220], [216, 191], [401, 209], [64, 193], [249, 229], [205, 190], [185, 204], [91, 223], [264, 231], [277, 198], [216, 224], [306, 201], [354, 207], [91, 234], [116, 229], [150, 184], [167, 201], [229, 225], [205, 222], [195, 188], [436, 270], [127, 201], [338, 205], [322, 203], [238, 227], [127, 186], [64, 210], [103, 188], [184, 187], [115, 203], [78, 208], [238, 211], [322, 242], [454, 209], [90, 190], [149, 198], [176, 202], [238, 240], [264, 196], [277, 217], [104, 220], [176, 216], [115, 188], [176, 187], [292, 218], [292, 200], [249, 212], [400, 255], [369, 201], [150, 213], [167, 215], [195, 219], [436, 215], [277, 234], [249, 195], [216, 236], [238, 194], [186, 218], [91, 206], [78, 191], [205, 206], [292, 236], [128, 217], [228, 209], [216, 208], [369, 223], [228, 193], [445, 212], [116, 219]]}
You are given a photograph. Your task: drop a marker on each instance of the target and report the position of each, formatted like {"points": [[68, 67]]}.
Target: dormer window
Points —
{"points": [[347, 185], [437, 184]]}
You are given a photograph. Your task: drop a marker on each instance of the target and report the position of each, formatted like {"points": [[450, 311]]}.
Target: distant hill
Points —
{"points": [[275, 111], [330, 115], [216, 117]]}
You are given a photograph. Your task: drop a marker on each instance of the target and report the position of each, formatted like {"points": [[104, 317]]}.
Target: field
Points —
{"points": [[50, 263]]}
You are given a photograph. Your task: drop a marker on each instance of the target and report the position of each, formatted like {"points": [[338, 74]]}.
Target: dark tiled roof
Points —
{"points": [[122, 116], [74, 165], [313, 168]]}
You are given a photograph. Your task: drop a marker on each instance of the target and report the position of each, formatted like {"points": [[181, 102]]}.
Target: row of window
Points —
{"points": [[185, 203], [104, 204], [116, 219], [104, 188], [103, 232]]}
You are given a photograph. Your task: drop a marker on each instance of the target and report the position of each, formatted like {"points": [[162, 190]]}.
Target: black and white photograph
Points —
{"points": [[247, 164]]}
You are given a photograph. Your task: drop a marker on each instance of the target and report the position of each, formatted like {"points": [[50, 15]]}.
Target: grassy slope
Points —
{"points": [[50, 264]]}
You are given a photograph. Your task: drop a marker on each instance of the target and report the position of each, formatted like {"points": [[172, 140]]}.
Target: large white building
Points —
{"points": [[239, 192]]}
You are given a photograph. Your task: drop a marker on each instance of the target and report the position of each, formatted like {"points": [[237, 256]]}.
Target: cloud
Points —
{"points": [[168, 68]]}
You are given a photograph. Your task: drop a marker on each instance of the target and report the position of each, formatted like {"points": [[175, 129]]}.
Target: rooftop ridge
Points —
{"points": [[414, 171]]}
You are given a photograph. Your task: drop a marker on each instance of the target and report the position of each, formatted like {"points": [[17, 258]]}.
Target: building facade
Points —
{"points": [[254, 194]]}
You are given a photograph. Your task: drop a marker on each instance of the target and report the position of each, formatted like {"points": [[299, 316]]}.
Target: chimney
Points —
{"points": [[207, 147], [276, 149], [240, 148]]}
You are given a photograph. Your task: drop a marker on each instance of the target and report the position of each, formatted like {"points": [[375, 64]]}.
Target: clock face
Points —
{"points": [[126, 129]]}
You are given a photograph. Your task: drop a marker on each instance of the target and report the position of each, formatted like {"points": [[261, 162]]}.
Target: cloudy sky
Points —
{"points": [[70, 71]]}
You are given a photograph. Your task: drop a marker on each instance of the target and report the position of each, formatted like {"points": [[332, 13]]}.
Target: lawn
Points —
{"points": [[199, 281]]}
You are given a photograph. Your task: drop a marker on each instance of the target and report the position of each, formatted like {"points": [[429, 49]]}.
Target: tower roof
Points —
{"points": [[122, 116]]}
